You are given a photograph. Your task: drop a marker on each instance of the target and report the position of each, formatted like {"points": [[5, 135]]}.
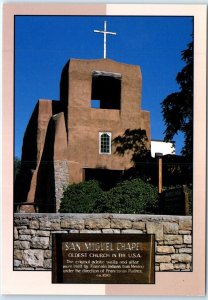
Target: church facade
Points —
{"points": [[70, 140]]}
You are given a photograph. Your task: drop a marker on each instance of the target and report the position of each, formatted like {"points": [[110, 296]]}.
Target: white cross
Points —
{"points": [[105, 32]]}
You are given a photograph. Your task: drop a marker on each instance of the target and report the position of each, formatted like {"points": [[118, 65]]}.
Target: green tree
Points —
{"points": [[177, 170], [177, 108], [17, 166]]}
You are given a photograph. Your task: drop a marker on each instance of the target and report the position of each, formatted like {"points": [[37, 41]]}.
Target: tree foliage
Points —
{"points": [[17, 166], [177, 170], [177, 108]]}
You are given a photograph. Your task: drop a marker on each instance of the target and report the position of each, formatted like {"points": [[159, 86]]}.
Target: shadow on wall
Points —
{"points": [[135, 142], [64, 83], [107, 178], [45, 191], [64, 91], [28, 160]]}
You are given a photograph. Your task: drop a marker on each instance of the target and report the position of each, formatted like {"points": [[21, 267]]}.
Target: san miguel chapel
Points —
{"points": [[70, 140]]}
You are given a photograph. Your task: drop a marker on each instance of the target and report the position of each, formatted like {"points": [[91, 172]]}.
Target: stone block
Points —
{"points": [[47, 254], [16, 244], [17, 263], [22, 222], [27, 231], [187, 239], [170, 228], [180, 266], [173, 239], [47, 264], [90, 231], [182, 257], [18, 254], [72, 224], [185, 250], [34, 224], [97, 223], [23, 269], [43, 233], [131, 231], [139, 225], [33, 258], [166, 267], [185, 232], [157, 268], [21, 227], [45, 225], [162, 258], [185, 224], [40, 242], [58, 231], [121, 224], [24, 237], [55, 225], [15, 233], [155, 228], [21, 245], [165, 249], [73, 231], [111, 231]]}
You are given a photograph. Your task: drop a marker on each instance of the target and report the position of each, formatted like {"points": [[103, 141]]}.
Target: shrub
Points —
{"points": [[134, 196], [130, 196], [81, 198]]}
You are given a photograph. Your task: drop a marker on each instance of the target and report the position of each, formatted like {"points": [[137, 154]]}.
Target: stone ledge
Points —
{"points": [[185, 220]]}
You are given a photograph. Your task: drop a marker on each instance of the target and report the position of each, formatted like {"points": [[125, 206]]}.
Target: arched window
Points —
{"points": [[104, 142]]}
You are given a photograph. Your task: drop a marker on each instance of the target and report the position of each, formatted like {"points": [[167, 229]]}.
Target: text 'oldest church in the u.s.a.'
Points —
{"points": [[70, 140]]}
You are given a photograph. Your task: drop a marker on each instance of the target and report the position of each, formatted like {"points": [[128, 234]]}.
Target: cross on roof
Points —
{"points": [[105, 32]]}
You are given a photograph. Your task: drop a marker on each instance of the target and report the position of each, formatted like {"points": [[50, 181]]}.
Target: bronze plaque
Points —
{"points": [[103, 258]]}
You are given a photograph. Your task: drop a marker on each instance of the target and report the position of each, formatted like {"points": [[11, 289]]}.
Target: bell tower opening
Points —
{"points": [[106, 90]]}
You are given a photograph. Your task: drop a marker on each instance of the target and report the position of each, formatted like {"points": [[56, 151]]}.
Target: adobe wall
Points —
{"points": [[33, 236], [85, 123], [35, 152], [80, 78]]}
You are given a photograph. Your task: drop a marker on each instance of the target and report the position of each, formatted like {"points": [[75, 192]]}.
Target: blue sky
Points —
{"points": [[43, 44]]}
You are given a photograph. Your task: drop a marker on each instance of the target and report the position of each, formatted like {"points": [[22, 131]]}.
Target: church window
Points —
{"points": [[106, 90], [104, 142]]}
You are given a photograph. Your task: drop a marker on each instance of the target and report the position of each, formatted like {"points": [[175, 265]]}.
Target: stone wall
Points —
{"points": [[61, 176], [33, 236]]}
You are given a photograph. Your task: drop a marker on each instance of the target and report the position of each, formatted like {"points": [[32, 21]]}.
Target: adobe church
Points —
{"points": [[70, 140]]}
